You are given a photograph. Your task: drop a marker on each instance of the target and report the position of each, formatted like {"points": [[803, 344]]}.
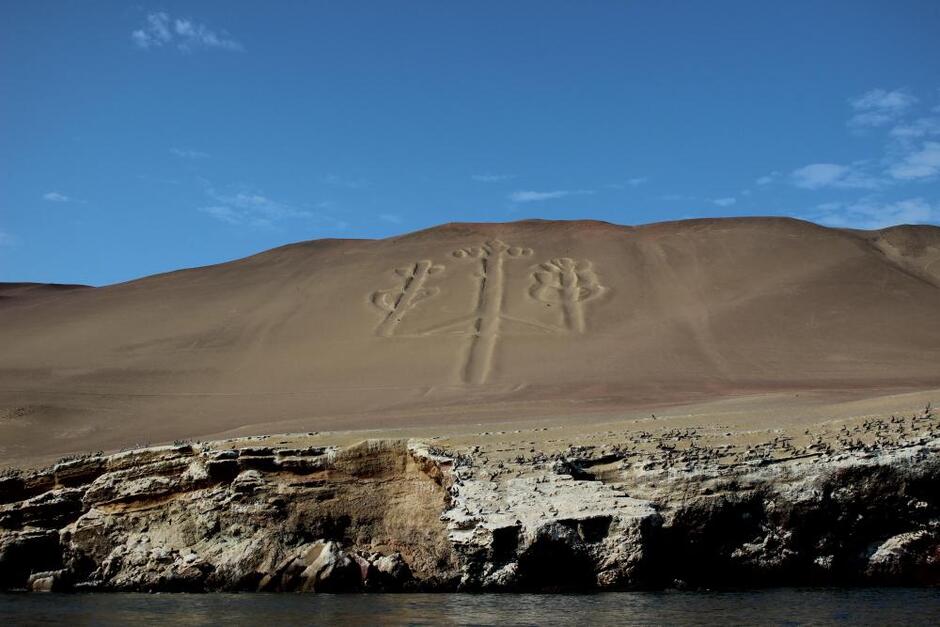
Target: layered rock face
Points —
{"points": [[398, 515], [192, 518]]}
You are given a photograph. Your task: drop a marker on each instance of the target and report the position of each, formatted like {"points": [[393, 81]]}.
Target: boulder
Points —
{"points": [[47, 581], [330, 569], [912, 557], [389, 573]]}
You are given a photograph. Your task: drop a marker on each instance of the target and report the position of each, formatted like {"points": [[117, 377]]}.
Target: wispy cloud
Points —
{"points": [[228, 214], [916, 128], [340, 181], [922, 163], [392, 218], [879, 107], [823, 175], [185, 153], [725, 202], [251, 208], [6, 239], [492, 178], [61, 198], [906, 156], [185, 35], [767, 179], [870, 213], [632, 182], [57, 197], [533, 196]]}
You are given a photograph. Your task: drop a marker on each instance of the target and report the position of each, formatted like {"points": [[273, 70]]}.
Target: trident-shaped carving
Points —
{"points": [[489, 303], [563, 281], [398, 300], [570, 283]]}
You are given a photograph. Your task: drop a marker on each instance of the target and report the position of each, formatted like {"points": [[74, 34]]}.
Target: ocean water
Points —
{"points": [[878, 606]]}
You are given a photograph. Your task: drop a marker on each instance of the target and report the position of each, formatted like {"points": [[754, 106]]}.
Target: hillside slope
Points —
{"points": [[466, 322]]}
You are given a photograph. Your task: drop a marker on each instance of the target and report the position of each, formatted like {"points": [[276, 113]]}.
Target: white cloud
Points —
{"points": [[820, 175], [879, 107], [188, 154], [880, 99], [225, 214], [869, 213], [533, 196], [871, 118], [339, 181], [155, 33], [919, 164], [262, 204], [916, 128], [908, 152], [251, 208], [725, 202], [56, 197], [184, 34], [492, 178], [767, 179], [390, 217], [6, 239], [634, 182]]}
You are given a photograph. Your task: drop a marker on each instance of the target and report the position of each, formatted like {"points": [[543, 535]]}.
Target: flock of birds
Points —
{"points": [[688, 450]]}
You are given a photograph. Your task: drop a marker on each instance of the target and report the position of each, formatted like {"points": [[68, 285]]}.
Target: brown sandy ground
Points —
{"points": [[760, 323]]}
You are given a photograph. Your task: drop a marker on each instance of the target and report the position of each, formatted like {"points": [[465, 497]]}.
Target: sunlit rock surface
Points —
{"points": [[398, 515]]}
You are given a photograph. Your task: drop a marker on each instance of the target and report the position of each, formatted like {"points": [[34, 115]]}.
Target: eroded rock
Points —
{"points": [[394, 515]]}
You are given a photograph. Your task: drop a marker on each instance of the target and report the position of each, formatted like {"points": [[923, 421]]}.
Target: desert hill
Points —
{"points": [[34, 290], [469, 323]]}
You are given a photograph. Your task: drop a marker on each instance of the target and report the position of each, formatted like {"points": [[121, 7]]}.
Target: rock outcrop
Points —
{"points": [[191, 518], [399, 515]]}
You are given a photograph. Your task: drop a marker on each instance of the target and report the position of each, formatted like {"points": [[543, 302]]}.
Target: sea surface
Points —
{"points": [[879, 606]]}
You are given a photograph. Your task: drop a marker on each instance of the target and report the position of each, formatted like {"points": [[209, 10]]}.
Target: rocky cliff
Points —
{"points": [[663, 509]]}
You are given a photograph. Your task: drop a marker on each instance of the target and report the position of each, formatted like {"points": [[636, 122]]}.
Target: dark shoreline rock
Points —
{"points": [[400, 516]]}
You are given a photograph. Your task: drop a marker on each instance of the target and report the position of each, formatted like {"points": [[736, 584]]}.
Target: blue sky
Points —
{"points": [[137, 139]]}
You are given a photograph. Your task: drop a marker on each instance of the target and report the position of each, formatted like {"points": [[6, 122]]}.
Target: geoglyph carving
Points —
{"points": [[490, 303], [397, 301], [563, 281], [569, 283]]}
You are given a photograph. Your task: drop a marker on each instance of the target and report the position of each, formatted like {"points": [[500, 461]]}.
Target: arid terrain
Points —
{"points": [[526, 406], [439, 330]]}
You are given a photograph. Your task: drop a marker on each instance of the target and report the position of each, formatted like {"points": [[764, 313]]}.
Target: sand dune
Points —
{"points": [[466, 323]]}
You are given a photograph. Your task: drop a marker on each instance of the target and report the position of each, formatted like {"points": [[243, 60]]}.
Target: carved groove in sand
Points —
{"points": [[489, 304], [563, 281], [569, 283], [397, 301]]}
